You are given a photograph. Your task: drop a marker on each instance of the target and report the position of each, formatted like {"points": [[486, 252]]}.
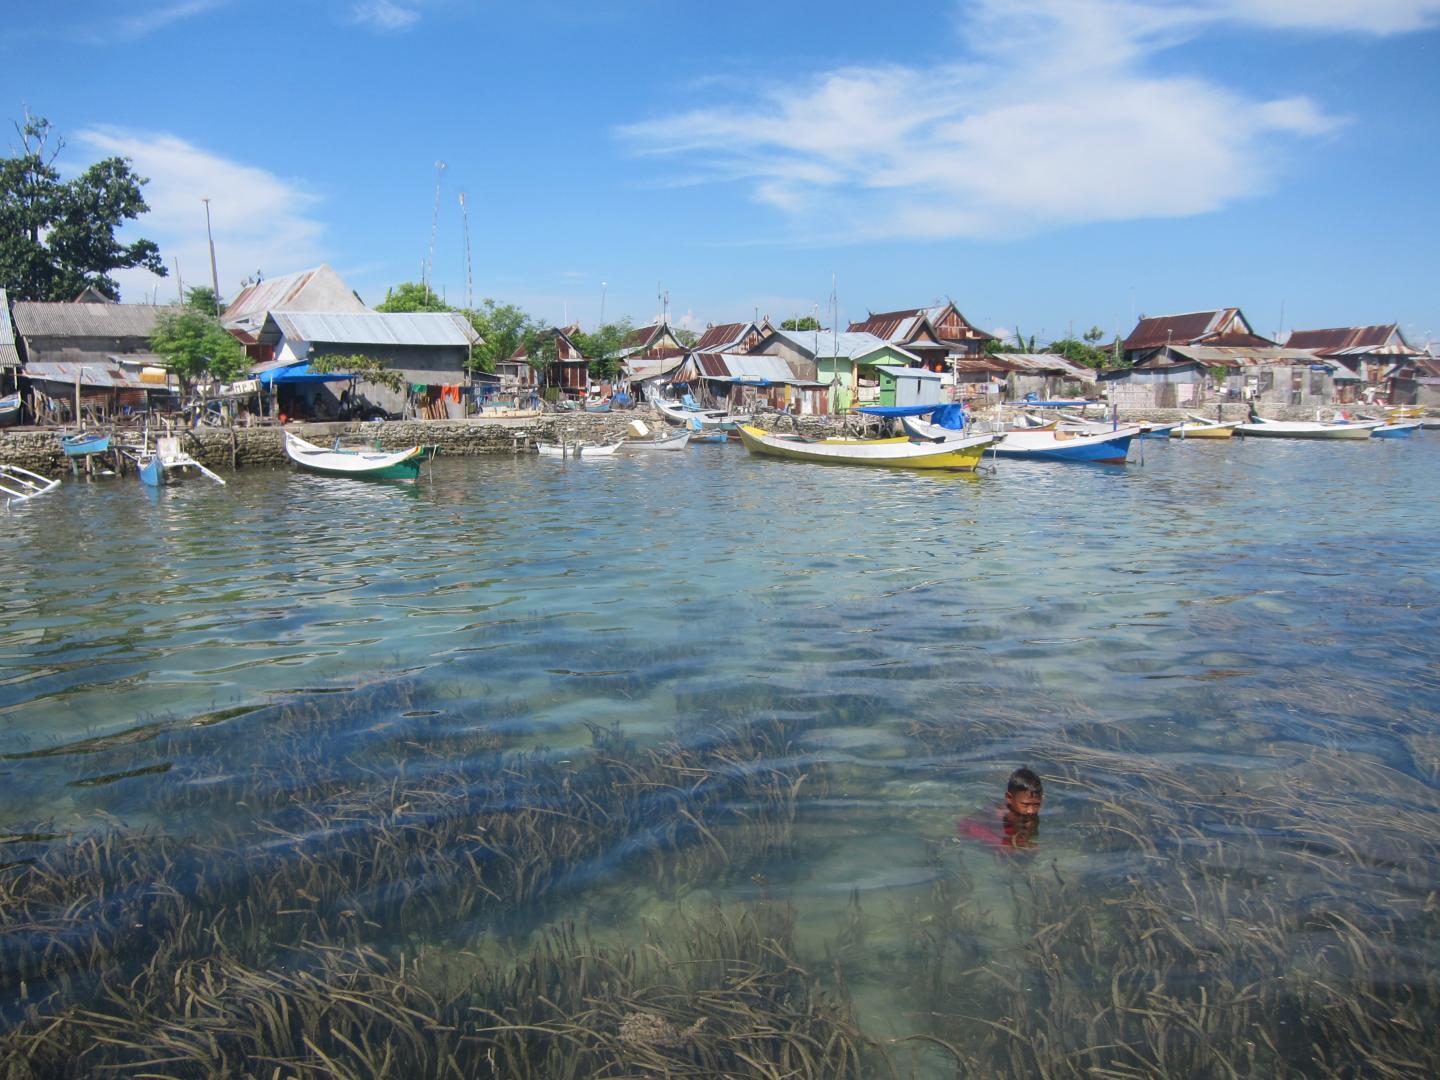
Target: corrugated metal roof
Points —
{"points": [[1383, 340], [1040, 362], [37, 318], [907, 372], [319, 289], [1188, 328], [371, 328], [91, 374], [1238, 357], [720, 337], [891, 325], [852, 344], [751, 366]]}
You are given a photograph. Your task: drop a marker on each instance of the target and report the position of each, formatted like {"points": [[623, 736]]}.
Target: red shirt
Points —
{"points": [[997, 831]]}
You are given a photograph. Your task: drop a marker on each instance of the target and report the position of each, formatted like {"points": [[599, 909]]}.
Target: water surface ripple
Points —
{"points": [[1222, 659]]}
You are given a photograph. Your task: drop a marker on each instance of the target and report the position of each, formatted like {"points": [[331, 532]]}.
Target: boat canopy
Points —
{"points": [[300, 373]]}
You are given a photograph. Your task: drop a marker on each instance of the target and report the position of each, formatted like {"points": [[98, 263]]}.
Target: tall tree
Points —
{"points": [[602, 347], [203, 298], [194, 345], [808, 322], [58, 237], [502, 329], [412, 296]]}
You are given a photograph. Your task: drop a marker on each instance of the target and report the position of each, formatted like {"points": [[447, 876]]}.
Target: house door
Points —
{"points": [[1297, 384]]}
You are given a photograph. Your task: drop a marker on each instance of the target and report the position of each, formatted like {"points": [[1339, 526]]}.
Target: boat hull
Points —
{"points": [[10, 410], [399, 465], [1111, 447], [1395, 431], [74, 446], [1303, 430], [961, 454]]}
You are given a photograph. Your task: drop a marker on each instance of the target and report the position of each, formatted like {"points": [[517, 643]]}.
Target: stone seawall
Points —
{"points": [[262, 447]]}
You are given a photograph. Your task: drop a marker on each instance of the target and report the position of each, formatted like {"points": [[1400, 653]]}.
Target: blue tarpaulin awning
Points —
{"points": [[300, 373], [899, 410]]}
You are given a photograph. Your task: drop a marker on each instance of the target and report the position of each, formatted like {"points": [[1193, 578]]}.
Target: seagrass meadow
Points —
{"points": [[653, 768]]}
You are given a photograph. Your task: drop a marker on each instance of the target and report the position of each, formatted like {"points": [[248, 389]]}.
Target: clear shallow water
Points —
{"points": [[1223, 660]]}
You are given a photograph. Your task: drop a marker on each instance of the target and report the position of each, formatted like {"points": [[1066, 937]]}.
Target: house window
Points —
{"points": [[1267, 380], [1317, 383]]}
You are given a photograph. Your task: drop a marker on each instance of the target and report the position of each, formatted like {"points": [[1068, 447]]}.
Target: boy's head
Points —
{"points": [[1023, 793]]}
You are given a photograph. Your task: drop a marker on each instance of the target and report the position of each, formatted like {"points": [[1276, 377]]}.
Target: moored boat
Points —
{"points": [[1396, 429], [962, 453], [20, 485], [710, 418], [1049, 443], [1198, 427], [580, 450], [10, 409], [1258, 427], [84, 442], [167, 463], [678, 441], [353, 461]]}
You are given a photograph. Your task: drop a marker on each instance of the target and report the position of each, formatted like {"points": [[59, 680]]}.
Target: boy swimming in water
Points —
{"points": [[1018, 820]]}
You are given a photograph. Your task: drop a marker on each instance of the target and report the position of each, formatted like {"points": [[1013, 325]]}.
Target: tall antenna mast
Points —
{"points": [[469, 293], [214, 277], [434, 224]]}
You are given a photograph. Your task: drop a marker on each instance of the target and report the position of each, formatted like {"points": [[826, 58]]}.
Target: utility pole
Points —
{"points": [[179, 281], [214, 277], [434, 224], [469, 290]]}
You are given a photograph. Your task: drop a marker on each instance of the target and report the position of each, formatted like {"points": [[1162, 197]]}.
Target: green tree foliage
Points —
{"points": [[58, 237], [365, 368], [1080, 352], [412, 296], [203, 298], [503, 328], [809, 322], [688, 338], [540, 349], [194, 345], [602, 346]]}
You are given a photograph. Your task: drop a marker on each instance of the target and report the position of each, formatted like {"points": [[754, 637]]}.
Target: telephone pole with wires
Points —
{"points": [[434, 225]]}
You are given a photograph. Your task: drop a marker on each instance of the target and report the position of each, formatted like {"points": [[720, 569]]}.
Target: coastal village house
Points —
{"points": [[1045, 375], [569, 372], [1223, 326], [729, 337], [317, 290], [935, 334], [742, 381], [431, 350], [93, 343], [1182, 376], [846, 363], [1415, 382], [1369, 352]]}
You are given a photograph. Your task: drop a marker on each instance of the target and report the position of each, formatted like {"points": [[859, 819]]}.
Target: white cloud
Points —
{"points": [[145, 20], [386, 15], [1059, 117], [260, 221]]}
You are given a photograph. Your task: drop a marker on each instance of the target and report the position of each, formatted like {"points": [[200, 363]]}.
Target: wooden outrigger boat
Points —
{"points": [[355, 462], [20, 485], [678, 441], [168, 463], [1396, 429], [683, 415], [963, 453], [10, 409]]}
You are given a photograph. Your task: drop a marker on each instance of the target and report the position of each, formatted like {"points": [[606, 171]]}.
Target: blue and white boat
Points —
{"points": [[10, 409], [85, 442], [168, 463], [1396, 430], [1049, 442]]}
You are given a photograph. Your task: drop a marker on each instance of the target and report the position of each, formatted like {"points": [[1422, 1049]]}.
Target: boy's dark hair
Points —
{"points": [[1025, 780]]}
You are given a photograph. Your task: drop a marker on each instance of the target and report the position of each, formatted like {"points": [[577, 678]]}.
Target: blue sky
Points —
{"points": [[1047, 164]]}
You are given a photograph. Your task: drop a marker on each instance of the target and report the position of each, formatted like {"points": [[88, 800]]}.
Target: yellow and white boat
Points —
{"points": [[901, 452], [1197, 427]]}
